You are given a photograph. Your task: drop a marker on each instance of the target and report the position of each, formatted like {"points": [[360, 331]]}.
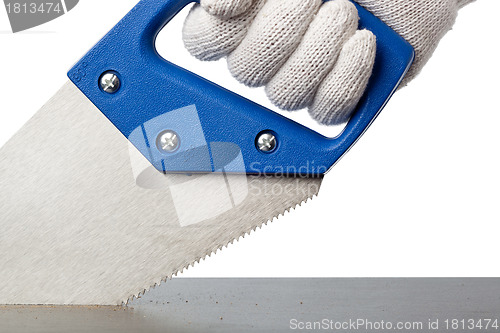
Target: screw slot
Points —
{"points": [[168, 141], [109, 82], [266, 142]]}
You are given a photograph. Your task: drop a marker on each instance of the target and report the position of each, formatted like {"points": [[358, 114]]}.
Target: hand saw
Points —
{"points": [[137, 168]]}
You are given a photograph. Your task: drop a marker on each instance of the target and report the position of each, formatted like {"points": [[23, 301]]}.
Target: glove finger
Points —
{"points": [[209, 37], [422, 23], [226, 8], [340, 92], [295, 84], [273, 36]]}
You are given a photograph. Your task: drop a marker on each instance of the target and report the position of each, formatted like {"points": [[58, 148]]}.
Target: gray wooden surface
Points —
{"points": [[268, 305]]}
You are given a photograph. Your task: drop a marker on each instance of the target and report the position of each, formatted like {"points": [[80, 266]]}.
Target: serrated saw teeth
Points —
{"points": [[99, 238], [244, 233], [136, 169]]}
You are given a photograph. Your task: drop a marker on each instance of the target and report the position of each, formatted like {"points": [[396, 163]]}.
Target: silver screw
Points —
{"points": [[110, 82], [168, 141], [267, 142]]}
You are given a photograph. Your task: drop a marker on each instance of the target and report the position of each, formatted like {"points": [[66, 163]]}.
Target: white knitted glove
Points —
{"points": [[309, 53]]}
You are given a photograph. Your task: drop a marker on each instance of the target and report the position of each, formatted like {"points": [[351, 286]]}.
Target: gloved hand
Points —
{"points": [[309, 53]]}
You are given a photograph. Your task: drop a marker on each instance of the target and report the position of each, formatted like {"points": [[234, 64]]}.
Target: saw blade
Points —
{"points": [[79, 226]]}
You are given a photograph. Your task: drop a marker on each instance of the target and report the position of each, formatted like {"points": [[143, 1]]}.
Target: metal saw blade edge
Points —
{"points": [[79, 229]]}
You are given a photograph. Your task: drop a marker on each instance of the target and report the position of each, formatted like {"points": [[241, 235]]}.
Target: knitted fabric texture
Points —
{"points": [[339, 92], [295, 84], [209, 37], [308, 53], [274, 34], [421, 22], [226, 9]]}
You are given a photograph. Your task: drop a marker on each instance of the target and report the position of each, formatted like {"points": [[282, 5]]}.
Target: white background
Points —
{"points": [[418, 196]]}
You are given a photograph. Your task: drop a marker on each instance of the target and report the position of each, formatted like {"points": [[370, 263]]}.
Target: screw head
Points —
{"points": [[168, 141], [109, 82], [266, 142]]}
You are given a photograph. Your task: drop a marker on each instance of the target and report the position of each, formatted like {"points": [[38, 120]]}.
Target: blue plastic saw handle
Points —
{"points": [[217, 127]]}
